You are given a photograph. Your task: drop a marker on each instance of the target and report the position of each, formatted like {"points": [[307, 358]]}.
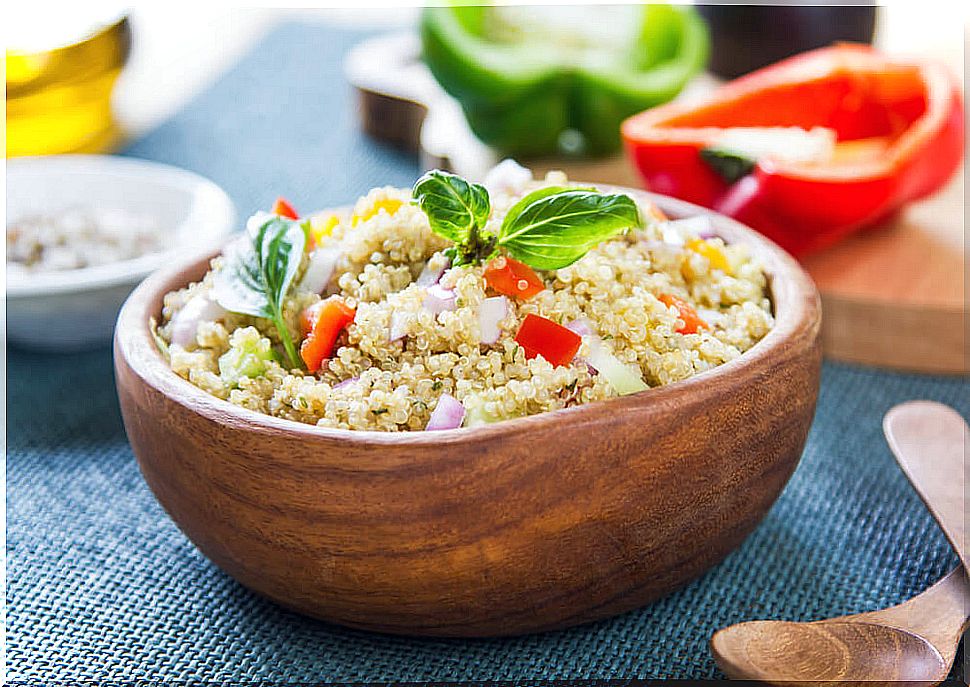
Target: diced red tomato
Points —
{"points": [[322, 324], [692, 321], [513, 278], [283, 208], [541, 336]]}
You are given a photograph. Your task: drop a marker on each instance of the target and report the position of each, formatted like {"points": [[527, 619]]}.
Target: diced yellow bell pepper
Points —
{"points": [[713, 253], [388, 205], [322, 226]]}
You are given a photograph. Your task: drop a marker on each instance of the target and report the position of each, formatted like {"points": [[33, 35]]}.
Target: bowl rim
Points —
{"points": [[213, 207], [135, 346]]}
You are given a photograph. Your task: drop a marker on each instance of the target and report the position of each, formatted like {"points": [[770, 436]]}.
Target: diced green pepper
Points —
{"points": [[527, 94], [247, 356], [475, 413]]}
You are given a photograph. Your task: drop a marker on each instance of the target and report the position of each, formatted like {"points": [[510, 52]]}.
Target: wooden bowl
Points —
{"points": [[531, 524]]}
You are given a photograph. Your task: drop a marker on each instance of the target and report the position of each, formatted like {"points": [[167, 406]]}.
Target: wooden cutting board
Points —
{"points": [[893, 296], [896, 295]]}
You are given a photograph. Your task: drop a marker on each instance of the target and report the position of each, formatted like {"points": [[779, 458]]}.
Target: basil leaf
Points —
{"points": [[530, 198], [554, 227], [455, 207], [257, 274]]}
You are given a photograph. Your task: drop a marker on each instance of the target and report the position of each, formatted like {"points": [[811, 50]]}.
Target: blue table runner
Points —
{"points": [[101, 585]]}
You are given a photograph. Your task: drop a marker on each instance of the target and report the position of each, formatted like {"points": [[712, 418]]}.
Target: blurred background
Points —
{"points": [[168, 59], [319, 105]]}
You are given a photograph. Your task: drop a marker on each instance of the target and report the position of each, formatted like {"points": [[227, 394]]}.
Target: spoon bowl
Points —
{"points": [[833, 652]]}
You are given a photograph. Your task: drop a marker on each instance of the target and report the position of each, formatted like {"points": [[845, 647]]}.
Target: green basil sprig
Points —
{"points": [[257, 274], [547, 229], [457, 210]]}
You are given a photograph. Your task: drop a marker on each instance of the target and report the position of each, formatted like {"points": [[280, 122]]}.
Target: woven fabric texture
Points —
{"points": [[101, 585]]}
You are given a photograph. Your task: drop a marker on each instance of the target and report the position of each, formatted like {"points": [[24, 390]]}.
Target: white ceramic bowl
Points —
{"points": [[77, 309]]}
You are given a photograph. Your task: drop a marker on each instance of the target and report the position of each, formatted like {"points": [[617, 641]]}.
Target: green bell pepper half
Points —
{"points": [[521, 97]]}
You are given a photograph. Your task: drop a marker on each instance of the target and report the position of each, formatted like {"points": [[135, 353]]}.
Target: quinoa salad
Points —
{"points": [[455, 304]]}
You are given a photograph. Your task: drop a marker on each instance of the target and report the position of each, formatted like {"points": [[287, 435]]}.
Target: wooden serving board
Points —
{"points": [[893, 296], [896, 295]]}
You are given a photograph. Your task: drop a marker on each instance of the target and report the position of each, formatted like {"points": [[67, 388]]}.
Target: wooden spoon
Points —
{"points": [[930, 442], [915, 641]]}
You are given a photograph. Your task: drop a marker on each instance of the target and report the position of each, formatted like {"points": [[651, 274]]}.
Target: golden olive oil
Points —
{"points": [[59, 99]]}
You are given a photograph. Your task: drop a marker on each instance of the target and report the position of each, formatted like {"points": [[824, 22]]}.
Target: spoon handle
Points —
{"points": [[930, 443], [939, 614]]}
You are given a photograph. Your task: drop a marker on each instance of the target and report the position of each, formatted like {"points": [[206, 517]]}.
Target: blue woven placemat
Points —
{"points": [[102, 586]]}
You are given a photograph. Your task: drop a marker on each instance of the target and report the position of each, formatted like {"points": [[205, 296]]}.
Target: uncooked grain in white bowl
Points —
{"points": [[74, 309]]}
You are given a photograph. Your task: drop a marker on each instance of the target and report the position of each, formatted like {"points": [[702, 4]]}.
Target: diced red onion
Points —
{"points": [[346, 382], [448, 414], [439, 299], [398, 326], [323, 261], [431, 275], [185, 324], [581, 326], [490, 314]]}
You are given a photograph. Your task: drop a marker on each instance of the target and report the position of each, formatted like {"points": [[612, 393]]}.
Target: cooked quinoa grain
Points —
{"points": [[390, 366]]}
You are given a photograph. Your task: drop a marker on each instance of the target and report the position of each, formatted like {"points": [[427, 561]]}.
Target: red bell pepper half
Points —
{"points": [[898, 131]]}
